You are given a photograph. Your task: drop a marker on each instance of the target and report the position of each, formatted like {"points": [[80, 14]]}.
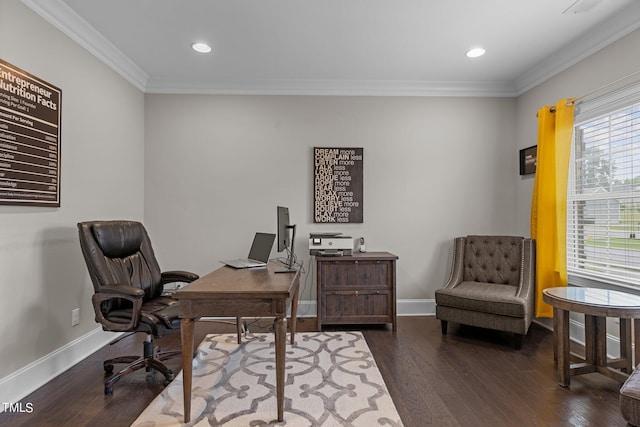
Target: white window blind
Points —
{"points": [[603, 197]]}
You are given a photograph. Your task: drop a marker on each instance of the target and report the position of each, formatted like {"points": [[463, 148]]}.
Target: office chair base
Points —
{"points": [[149, 362]]}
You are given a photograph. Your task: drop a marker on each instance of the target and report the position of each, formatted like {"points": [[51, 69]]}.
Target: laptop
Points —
{"points": [[259, 253]]}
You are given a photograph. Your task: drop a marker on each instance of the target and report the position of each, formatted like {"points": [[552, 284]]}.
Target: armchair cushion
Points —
{"points": [[484, 297]]}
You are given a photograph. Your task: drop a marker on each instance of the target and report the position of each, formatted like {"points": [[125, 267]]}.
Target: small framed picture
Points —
{"points": [[528, 160]]}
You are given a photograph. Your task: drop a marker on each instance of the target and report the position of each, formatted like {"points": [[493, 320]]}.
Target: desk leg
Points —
{"points": [[561, 320], [186, 336], [294, 314], [280, 328]]}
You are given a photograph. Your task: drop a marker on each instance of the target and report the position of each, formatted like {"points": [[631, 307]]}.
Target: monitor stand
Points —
{"points": [[290, 266]]}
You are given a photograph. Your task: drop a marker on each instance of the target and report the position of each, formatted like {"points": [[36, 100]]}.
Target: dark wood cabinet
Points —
{"points": [[357, 289]]}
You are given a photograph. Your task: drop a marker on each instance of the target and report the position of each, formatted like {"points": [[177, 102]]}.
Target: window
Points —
{"points": [[603, 198]]}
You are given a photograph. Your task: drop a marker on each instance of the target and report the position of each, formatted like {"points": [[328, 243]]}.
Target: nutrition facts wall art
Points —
{"points": [[29, 139], [337, 189]]}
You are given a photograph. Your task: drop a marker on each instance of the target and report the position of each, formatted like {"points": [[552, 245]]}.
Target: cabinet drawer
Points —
{"points": [[356, 306], [347, 274]]}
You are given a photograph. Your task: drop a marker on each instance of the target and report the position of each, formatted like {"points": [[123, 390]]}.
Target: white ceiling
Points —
{"points": [[353, 47]]}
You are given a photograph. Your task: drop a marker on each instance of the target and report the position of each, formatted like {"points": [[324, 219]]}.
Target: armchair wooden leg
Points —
{"points": [[517, 341], [443, 325]]}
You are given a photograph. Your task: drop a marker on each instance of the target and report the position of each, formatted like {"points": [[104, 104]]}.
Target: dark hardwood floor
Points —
{"points": [[470, 377]]}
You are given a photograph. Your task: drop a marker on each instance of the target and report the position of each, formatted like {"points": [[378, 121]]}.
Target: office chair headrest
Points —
{"points": [[118, 239]]}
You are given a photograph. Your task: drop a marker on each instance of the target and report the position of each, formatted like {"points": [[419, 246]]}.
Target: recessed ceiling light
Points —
{"points": [[201, 47], [475, 52]]}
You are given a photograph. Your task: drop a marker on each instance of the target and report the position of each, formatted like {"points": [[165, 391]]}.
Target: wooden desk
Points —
{"points": [[596, 304], [228, 292]]}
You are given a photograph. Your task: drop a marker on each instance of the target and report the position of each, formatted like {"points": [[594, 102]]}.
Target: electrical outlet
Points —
{"points": [[75, 317]]}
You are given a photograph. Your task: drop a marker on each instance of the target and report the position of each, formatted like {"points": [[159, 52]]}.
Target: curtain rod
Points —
{"points": [[579, 99]]}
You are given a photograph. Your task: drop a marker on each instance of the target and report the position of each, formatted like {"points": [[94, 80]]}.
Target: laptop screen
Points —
{"points": [[261, 246]]}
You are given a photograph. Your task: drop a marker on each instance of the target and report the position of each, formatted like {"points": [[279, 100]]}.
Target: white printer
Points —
{"points": [[330, 244]]}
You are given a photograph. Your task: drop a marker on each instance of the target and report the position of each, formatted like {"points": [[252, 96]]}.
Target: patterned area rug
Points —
{"points": [[331, 380]]}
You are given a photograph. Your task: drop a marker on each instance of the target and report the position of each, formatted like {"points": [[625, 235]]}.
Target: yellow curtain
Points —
{"points": [[549, 202]]}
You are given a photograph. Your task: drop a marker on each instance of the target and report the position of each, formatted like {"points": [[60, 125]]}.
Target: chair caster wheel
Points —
{"points": [[108, 389]]}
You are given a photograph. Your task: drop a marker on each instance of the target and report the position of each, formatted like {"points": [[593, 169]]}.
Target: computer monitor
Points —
{"points": [[286, 238], [283, 232]]}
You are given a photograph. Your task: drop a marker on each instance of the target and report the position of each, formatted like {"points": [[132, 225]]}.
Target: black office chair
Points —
{"points": [[128, 288]]}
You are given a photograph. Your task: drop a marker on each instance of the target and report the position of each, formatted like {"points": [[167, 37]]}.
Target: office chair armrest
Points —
{"points": [[178, 276], [134, 295], [122, 291]]}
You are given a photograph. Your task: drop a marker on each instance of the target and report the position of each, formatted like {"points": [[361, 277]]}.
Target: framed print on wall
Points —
{"points": [[528, 160], [30, 118], [337, 185]]}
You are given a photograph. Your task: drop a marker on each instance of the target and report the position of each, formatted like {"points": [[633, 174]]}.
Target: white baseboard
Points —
{"points": [[404, 307], [416, 307], [26, 380]]}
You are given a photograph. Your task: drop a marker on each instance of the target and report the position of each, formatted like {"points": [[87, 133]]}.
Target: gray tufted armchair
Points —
{"points": [[491, 285]]}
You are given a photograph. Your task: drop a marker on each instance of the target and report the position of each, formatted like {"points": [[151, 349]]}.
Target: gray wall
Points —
{"points": [[43, 275], [434, 168]]}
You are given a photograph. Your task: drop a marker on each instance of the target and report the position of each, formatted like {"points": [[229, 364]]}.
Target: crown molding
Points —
{"points": [[607, 32], [338, 88], [61, 16]]}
